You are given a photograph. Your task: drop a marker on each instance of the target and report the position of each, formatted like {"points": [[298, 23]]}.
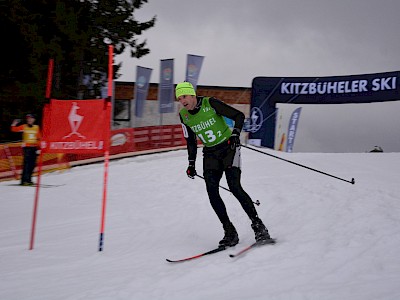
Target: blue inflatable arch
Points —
{"points": [[267, 91]]}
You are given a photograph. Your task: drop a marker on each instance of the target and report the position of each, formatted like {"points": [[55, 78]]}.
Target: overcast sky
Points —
{"points": [[241, 40]]}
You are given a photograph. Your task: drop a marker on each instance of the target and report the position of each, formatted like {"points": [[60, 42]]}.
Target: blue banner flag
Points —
{"points": [[166, 94], [193, 67], [294, 120], [141, 89]]}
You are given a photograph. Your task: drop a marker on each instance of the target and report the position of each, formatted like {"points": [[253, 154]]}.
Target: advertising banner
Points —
{"points": [[76, 126], [193, 67], [294, 120], [267, 91], [166, 91], [141, 89]]}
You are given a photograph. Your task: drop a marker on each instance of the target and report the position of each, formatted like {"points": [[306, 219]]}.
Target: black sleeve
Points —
{"points": [[191, 141], [228, 111]]}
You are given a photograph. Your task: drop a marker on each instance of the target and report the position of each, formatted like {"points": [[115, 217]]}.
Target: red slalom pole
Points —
{"points": [[107, 152], [49, 78], [110, 71], [103, 210], [36, 203]]}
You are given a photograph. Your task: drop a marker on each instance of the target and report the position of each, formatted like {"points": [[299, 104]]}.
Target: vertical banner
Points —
{"points": [[166, 87], [193, 67], [294, 120], [141, 89]]}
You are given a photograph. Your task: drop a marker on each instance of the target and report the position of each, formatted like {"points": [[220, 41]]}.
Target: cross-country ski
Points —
{"points": [[256, 244], [219, 249]]}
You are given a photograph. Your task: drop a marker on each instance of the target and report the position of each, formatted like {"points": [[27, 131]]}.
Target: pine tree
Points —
{"points": [[76, 34]]}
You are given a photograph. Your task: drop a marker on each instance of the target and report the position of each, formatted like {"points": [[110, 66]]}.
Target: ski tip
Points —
{"points": [[232, 255]]}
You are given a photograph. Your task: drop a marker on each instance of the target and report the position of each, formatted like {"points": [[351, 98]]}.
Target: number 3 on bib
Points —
{"points": [[210, 136]]}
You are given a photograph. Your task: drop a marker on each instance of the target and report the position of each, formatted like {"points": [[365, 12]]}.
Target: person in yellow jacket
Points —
{"points": [[31, 136]]}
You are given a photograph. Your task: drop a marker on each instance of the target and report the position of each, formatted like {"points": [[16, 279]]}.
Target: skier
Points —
{"points": [[30, 143], [203, 117]]}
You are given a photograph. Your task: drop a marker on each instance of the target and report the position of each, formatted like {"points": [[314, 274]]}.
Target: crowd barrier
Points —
{"points": [[124, 142]]}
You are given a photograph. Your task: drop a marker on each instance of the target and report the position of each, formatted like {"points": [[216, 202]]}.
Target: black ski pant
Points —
{"points": [[226, 161], [29, 163]]}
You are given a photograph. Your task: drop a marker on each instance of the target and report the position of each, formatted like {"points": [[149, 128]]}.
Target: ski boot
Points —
{"points": [[261, 232], [230, 238]]}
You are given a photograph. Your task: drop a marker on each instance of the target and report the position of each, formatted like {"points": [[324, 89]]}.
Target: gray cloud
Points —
{"points": [[244, 39]]}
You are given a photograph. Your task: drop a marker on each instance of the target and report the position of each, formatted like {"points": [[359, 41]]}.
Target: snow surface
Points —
{"points": [[335, 240]]}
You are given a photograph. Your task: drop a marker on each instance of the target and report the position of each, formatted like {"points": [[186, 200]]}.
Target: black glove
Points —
{"points": [[234, 140], [191, 170]]}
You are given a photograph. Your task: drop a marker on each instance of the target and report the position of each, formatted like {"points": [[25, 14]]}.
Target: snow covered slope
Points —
{"points": [[335, 240]]}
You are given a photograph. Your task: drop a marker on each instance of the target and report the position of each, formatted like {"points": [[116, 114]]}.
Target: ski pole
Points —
{"points": [[352, 181], [256, 203]]}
